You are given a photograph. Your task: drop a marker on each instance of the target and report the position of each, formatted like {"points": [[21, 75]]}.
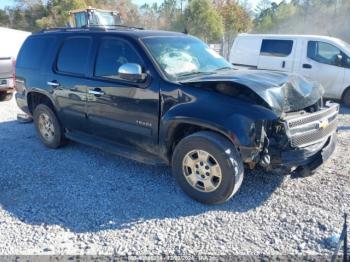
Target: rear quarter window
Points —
{"points": [[33, 52], [73, 56], [280, 48]]}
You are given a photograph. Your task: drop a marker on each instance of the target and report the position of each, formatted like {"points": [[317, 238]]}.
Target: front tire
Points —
{"points": [[207, 167], [47, 126]]}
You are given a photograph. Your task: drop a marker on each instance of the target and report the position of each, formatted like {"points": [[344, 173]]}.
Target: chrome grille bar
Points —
{"points": [[310, 128]]}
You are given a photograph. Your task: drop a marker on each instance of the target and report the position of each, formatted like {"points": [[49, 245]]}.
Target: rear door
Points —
{"points": [[319, 63], [68, 80], [277, 54], [122, 111]]}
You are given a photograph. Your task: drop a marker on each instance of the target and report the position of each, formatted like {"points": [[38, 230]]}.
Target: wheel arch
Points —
{"points": [[345, 90], [34, 98], [177, 129]]}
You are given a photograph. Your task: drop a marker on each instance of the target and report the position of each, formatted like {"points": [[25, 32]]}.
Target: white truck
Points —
{"points": [[319, 58], [11, 42]]}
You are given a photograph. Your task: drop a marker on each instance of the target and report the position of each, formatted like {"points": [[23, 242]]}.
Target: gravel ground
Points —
{"points": [[79, 200]]}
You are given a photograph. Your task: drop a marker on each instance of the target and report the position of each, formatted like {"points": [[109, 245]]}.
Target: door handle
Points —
{"points": [[283, 64], [307, 66], [96, 92], [53, 83]]}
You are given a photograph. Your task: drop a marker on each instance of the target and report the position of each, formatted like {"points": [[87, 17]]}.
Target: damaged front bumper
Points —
{"points": [[312, 138], [303, 139], [310, 157]]}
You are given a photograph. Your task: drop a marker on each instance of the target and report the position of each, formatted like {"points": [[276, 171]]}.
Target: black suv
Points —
{"points": [[167, 98]]}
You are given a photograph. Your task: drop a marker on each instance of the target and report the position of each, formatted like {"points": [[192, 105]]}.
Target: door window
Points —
{"points": [[111, 55], [33, 52], [280, 48], [74, 55], [324, 53]]}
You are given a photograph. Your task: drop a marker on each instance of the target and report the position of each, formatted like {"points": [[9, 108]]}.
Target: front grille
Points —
{"points": [[313, 136], [310, 128], [312, 117]]}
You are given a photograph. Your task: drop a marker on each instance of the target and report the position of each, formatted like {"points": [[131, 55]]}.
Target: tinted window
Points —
{"points": [[324, 53], [33, 52], [276, 47], [73, 56], [111, 55]]}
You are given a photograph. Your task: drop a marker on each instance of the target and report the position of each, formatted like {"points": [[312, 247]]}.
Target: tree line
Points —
{"points": [[214, 21], [321, 17]]}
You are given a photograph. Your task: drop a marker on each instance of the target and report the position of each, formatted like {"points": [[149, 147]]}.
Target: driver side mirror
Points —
{"points": [[339, 59], [131, 72]]}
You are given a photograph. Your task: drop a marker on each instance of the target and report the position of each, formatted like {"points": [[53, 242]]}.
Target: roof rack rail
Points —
{"points": [[88, 28], [113, 26]]}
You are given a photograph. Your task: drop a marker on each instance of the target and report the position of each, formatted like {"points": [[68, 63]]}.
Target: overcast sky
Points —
{"points": [[4, 3]]}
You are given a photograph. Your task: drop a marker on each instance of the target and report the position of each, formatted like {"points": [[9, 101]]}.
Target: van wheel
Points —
{"points": [[5, 96], [47, 126], [207, 167], [346, 97]]}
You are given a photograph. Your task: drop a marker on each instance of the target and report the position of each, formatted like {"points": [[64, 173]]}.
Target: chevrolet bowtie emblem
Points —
{"points": [[323, 124]]}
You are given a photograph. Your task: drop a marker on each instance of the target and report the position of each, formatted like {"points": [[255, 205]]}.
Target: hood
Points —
{"points": [[282, 92]]}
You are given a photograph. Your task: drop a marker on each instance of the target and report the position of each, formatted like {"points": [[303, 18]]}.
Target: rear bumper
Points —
{"points": [[311, 157], [6, 84], [21, 101]]}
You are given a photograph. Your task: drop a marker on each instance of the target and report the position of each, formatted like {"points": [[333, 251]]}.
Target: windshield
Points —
{"points": [[184, 57]]}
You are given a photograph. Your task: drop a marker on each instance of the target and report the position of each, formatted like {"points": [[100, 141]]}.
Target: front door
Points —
{"points": [[118, 110], [321, 63]]}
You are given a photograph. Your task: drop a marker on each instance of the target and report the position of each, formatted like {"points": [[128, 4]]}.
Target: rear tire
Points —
{"points": [[207, 167], [48, 127], [346, 97]]}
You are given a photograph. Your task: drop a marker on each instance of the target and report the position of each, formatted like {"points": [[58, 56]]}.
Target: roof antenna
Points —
{"points": [[185, 31]]}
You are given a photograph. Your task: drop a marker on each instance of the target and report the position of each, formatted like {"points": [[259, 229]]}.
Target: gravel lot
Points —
{"points": [[79, 200]]}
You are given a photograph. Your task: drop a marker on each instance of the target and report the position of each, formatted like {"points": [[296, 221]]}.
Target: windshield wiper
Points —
{"points": [[224, 68], [194, 73]]}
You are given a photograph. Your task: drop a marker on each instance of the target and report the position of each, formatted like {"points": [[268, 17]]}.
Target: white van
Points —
{"points": [[319, 58]]}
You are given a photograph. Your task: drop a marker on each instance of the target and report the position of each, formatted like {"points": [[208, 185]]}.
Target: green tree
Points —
{"points": [[168, 14], [272, 19], [58, 12], [4, 18], [129, 12], [149, 16], [201, 19], [236, 19]]}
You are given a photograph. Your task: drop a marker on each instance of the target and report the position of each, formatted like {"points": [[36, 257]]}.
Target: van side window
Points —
{"points": [[33, 60], [111, 55], [74, 55], [280, 48], [324, 53]]}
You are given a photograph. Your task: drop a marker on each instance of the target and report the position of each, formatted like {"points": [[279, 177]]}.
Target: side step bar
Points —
{"points": [[116, 149]]}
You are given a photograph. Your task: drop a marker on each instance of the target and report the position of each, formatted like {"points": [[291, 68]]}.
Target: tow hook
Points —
{"points": [[265, 158]]}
